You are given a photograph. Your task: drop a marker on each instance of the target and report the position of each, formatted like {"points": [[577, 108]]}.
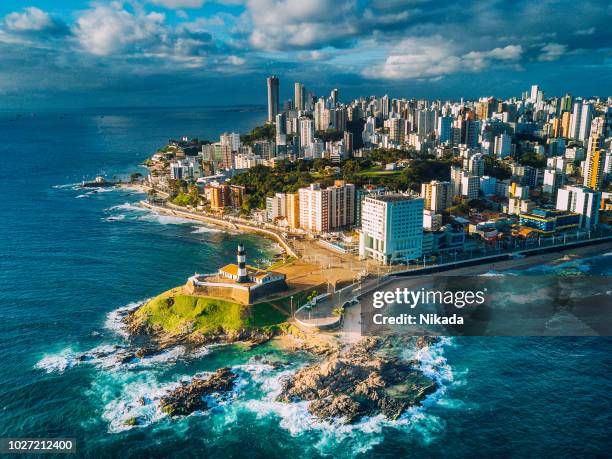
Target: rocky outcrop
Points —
{"points": [[191, 397], [368, 379], [159, 339]]}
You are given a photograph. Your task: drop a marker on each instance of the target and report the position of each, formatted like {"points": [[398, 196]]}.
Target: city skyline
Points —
{"points": [[167, 52]]}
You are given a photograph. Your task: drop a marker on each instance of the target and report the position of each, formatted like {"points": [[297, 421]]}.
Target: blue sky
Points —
{"points": [[198, 52]]}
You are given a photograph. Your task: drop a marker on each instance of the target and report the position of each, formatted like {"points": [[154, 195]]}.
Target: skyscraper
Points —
{"points": [[444, 128], [585, 122], [306, 132], [594, 165], [502, 146], [575, 121], [273, 97], [566, 103], [334, 96], [298, 96]]}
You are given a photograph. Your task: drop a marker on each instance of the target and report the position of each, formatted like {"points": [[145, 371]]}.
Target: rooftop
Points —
{"points": [[392, 197]]}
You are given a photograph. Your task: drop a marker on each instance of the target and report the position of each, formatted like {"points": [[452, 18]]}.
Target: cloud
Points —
{"points": [[477, 60], [106, 30], [315, 55], [552, 52], [236, 60], [179, 4], [435, 57], [299, 24], [589, 31], [32, 19]]}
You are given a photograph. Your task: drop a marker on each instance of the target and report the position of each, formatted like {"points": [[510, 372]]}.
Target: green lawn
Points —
{"points": [[377, 172], [177, 313]]}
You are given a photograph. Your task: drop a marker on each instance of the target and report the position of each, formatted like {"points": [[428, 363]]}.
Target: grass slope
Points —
{"points": [[176, 313]]}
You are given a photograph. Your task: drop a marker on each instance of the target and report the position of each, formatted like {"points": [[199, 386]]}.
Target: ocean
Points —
{"points": [[73, 261]]}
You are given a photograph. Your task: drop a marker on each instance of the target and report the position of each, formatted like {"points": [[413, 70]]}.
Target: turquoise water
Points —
{"points": [[72, 260]]}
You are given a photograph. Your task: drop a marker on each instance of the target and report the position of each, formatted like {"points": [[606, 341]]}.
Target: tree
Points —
{"points": [[135, 177], [311, 296], [176, 186]]}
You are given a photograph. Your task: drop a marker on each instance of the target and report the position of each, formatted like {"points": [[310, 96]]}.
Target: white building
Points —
{"points": [[231, 139], [470, 186], [581, 200], [553, 180], [306, 132], [392, 228], [431, 220], [502, 146], [276, 207], [185, 169], [586, 116], [474, 165]]}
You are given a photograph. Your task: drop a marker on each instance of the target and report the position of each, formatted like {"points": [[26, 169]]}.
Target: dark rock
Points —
{"points": [[189, 397], [367, 379]]}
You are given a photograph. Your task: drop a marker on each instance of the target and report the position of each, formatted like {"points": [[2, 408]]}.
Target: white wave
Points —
{"points": [[128, 395], [137, 395], [168, 355], [67, 185], [57, 363], [115, 218], [363, 435], [114, 319], [206, 229], [166, 219], [86, 195], [492, 273], [127, 206]]}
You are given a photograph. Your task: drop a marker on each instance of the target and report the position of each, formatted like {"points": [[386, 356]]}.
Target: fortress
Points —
{"points": [[237, 282]]}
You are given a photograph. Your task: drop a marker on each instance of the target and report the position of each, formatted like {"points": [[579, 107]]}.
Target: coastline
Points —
{"points": [[224, 223]]}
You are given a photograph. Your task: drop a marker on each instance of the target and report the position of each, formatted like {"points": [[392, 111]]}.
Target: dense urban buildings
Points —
{"points": [[489, 172]]}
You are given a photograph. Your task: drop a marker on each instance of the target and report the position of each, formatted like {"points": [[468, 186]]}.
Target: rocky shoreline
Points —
{"points": [[192, 396], [346, 384], [159, 339], [368, 379]]}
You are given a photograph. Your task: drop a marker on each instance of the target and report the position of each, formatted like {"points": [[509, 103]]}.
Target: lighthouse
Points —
{"points": [[242, 271]]}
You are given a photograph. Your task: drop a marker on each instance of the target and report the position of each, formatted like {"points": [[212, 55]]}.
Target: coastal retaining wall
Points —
{"points": [[225, 223], [237, 293]]}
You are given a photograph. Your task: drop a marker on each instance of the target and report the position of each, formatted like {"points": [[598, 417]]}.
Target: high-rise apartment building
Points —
{"points": [[503, 146], [298, 96], [391, 228], [273, 97], [594, 167], [437, 196], [306, 132], [474, 165], [293, 210], [581, 200], [328, 209], [586, 116]]}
